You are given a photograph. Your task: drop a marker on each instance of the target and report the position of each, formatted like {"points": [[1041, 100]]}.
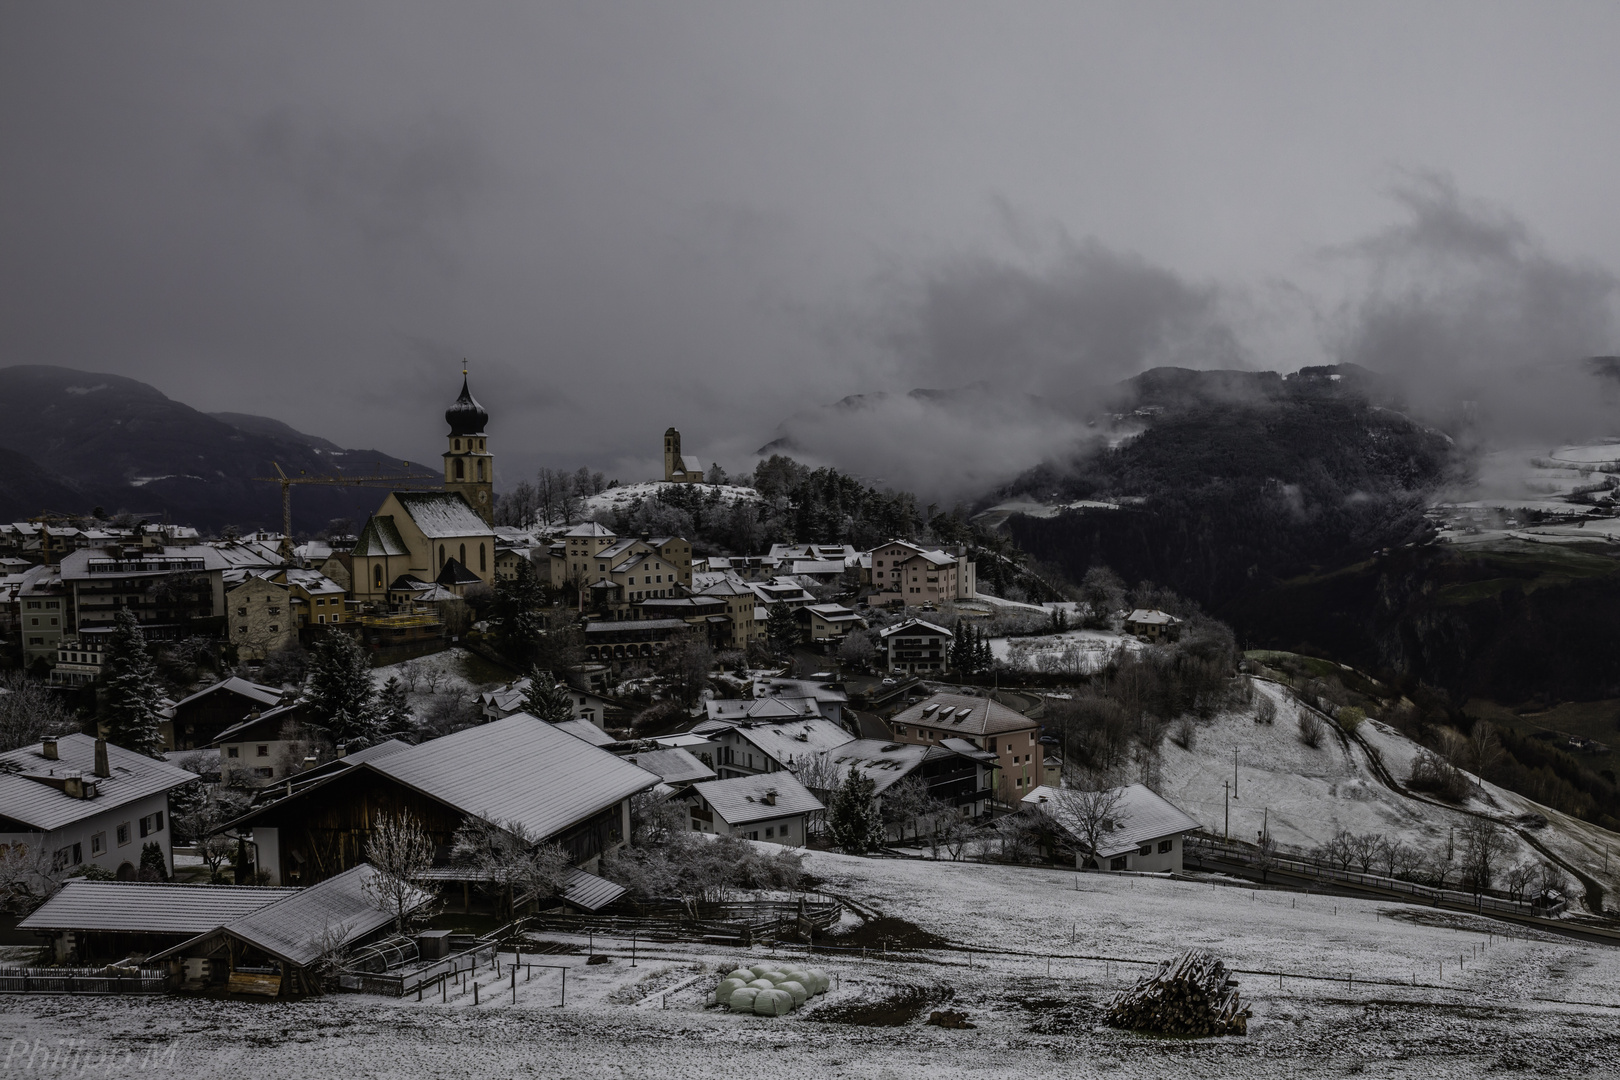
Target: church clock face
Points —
{"points": [[483, 496]]}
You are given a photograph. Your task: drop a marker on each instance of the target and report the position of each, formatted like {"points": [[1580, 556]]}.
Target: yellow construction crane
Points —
{"points": [[401, 482]]}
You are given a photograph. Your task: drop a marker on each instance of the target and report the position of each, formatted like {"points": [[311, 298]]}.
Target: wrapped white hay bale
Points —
{"points": [[760, 969], [773, 1003], [741, 974], [819, 983], [1192, 994], [799, 994], [763, 984], [743, 1000], [727, 987], [800, 976], [777, 978]]}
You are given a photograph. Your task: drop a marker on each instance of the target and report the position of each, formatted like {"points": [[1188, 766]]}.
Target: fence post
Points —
{"points": [[564, 1000]]}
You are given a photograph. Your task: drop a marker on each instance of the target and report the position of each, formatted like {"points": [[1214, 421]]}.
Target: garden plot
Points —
{"points": [[449, 673], [1073, 652]]}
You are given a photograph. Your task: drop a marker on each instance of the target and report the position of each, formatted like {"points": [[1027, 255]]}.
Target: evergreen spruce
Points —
{"points": [[780, 629], [395, 716], [983, 659], [520, 624], [153, 868], [546, 698], [133, 690], [341, 695], [853, 821]]}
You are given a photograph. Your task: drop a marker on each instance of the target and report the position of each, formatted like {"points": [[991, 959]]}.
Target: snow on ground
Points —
{"points": [[623, 496], [1073, 651], [1434, 995], [439, 674], [1303, 794]]}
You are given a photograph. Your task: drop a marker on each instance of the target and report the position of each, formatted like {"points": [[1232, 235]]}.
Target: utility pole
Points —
{"points": [[1234, 772], [1226, 833]]}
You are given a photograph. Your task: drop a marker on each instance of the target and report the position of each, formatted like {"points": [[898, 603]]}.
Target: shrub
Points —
{"points": [[1433, 773], [1311, 729], [1350, 717]]}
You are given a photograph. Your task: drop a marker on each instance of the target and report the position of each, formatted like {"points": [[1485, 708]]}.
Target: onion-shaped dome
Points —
{"points": [[466, 416]]}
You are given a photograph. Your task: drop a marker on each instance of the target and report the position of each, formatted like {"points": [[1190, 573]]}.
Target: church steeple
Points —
{"points": [[469, 467]]}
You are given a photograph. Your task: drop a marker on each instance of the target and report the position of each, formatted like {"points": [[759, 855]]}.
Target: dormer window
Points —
{"points": [[458, 445]]}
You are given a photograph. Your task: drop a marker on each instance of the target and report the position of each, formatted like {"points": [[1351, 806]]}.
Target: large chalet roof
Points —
{"points": [[31, 785], [518, 769], [380, 537], [742, 799], [963, 714], [442, 513], [588, 530], [149, 906], [252, 691], [1139, 817]]}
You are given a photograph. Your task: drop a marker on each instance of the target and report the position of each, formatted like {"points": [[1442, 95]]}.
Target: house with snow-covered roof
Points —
{"points": [[746, 746], [983, 723], [1142, 830], [903, 573], [774, 808]]}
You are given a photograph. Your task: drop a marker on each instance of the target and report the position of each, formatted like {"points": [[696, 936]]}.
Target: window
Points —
{"points": [[233, 751], [98, 843], [152, 823], [461, 470], [1117, 863], [754, 835], [1166, 845], [123, 834], [264, 774], [377, 575], [462, 558], [441, 556], [320, 618], [274, 628], [66, 857], [264, 750], [481, 563], [770, 832], [1145, 849]]}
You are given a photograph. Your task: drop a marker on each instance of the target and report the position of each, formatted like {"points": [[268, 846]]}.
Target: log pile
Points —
{"points": [[1190, 995]]}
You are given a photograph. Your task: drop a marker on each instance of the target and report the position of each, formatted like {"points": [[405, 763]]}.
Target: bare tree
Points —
{"points": [[1517, 878], [908, 802], [1484, 750], [1265, 709], [955, 833], [1265, 854], [1483, 849], [401, 851], [818, 773], [510, 859], [28, 876], [1338, 850], [28, 710], [1087, 816], [1365, 849]]}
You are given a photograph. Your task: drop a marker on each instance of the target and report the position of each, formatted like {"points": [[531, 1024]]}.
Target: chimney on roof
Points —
{"points": [[770, 798], [342, 749], [73, 785], [47, 746], [102, 768], [254, 714]]}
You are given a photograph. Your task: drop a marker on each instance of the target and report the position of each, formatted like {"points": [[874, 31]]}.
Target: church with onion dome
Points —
{"points": [[423, 547]]}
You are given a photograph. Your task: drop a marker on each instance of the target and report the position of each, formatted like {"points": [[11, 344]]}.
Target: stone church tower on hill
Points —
{"points": [[679, 469], [469, 467]]}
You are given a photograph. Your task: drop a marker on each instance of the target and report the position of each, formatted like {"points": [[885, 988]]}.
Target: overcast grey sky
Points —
{"points": [[716, 215]]}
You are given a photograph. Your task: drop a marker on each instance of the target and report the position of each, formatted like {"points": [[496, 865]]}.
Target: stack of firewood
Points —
{"points": [[1190, 995]]}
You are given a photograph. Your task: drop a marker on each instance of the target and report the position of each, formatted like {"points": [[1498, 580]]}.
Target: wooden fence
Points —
{"points": [[1201, 849], [82, 981]]}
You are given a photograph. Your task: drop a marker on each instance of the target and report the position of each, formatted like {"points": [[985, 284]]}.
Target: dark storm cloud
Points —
{"points": [[1461, 303], [719, 216]]}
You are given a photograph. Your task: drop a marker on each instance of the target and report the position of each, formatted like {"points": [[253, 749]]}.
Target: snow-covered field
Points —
{"points": [[1073, 651], [439, 674], [1338, 987]]}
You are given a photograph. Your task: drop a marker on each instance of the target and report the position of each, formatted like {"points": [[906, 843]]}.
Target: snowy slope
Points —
{"points": [[1305, 794], [626, 495]]}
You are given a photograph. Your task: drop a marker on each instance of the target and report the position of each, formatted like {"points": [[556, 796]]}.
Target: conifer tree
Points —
{"points": [[983, 659], [546, 698], [519, 601], [133, 690], [780, 629], [341, 695], [853, 821], [394, 713]]}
